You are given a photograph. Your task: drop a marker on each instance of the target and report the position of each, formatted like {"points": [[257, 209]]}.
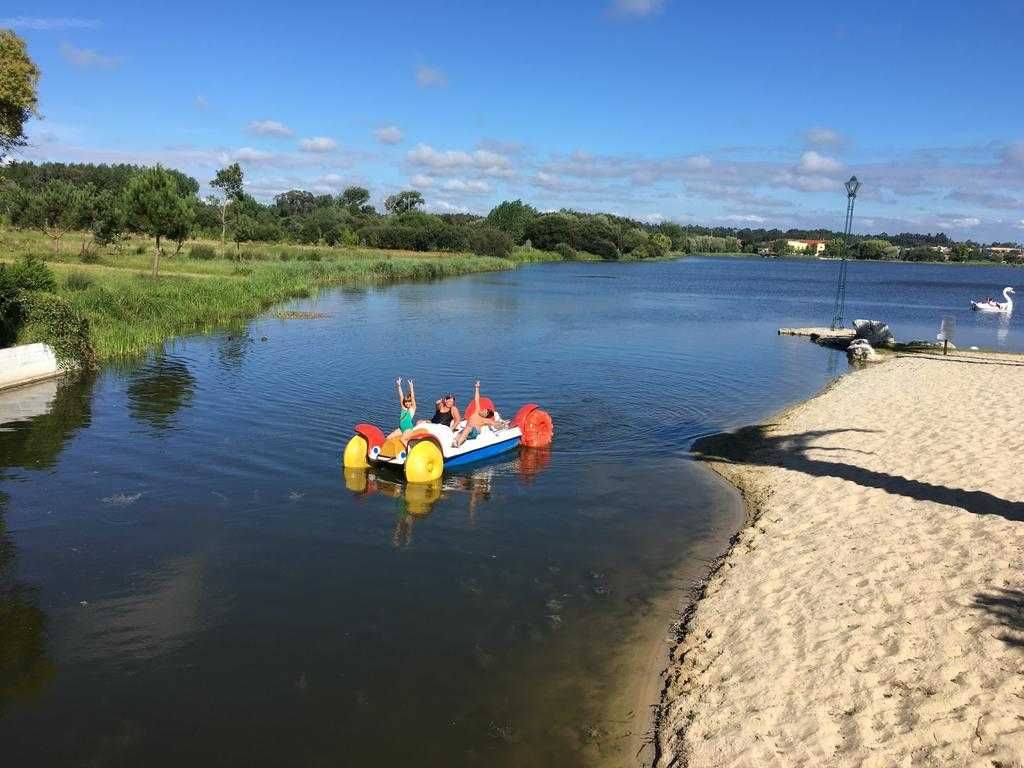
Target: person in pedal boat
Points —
{"points": [[408, 413], [481, 417], [445, 412]]}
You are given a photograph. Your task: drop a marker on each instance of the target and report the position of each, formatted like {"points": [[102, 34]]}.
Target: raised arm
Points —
{"points": [[398, 383], [476, 395], [412, 394]]}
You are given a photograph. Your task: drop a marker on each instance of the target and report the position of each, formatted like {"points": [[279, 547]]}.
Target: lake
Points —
{"points": [[188, 577]]}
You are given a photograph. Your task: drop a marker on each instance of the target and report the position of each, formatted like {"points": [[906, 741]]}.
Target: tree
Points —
{"points": [[490, 241], [154, 206], [512, 217], [228, 180], [874, 249], [19, 79], [835, 248], [659, 245], [295, 202], [404, 202], [57, 208], [356, 199]]}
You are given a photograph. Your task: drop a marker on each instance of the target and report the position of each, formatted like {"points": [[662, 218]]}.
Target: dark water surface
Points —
{"points": [[187, 577]]}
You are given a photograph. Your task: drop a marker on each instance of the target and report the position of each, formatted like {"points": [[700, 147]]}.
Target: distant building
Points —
{"points": [[1007, 253], [816, 247]]}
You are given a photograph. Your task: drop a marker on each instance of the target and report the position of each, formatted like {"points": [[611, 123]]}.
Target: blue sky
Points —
{"points": [[734, 113]]}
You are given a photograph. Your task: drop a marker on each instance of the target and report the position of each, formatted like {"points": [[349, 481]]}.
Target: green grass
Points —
{"points": [[130, 312]]}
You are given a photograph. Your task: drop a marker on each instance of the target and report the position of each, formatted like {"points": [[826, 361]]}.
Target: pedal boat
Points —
{"points": [[430, 448]]}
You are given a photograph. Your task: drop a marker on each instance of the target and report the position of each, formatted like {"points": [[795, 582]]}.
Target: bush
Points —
{"points": [[490, 241], [202, 252], [566, 251], [52, 320], [78, 281], [139, 250], [30, 274]]}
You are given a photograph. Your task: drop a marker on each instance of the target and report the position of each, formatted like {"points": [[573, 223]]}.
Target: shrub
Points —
{"points": [[31, 274], [308, 256], [89, 255], [78, 281], [490, 241], [348, 237], [201, 252], [52, 320], [139, 250], [566, 251]]}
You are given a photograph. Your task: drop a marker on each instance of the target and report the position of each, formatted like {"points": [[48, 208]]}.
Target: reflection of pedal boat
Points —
{"points": [[430, 446]]}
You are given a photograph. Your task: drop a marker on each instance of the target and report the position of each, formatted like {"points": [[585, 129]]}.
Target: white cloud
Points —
{"points": [[430, 77], [650, 218], [420, 181], [40, 24], [698, 162], [635, 8], [483, 161], [473, 186], [743, 218], [388, 134], [201, 103], [250, 155], [1019, 224], [86, 58], [270, 128], [813, 162], [958, 222], [822, 137], [318, 144]]}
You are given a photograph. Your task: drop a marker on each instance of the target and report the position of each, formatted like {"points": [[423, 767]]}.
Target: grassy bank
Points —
{"points": [[129, 311]]}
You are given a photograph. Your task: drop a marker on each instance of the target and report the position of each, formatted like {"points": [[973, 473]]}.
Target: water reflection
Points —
{"points": [[37, 421], [25, 668], [158, 390], [417, 500], [232, 348]]}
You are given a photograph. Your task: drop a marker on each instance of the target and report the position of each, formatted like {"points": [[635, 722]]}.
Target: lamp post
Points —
{"points": [[840, 306]]}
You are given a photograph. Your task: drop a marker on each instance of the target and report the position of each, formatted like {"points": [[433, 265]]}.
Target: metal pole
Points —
{"points": [[840, 304]]}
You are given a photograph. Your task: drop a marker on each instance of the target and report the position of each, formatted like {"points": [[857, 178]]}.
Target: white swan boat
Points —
{"points": [[991, 305]]}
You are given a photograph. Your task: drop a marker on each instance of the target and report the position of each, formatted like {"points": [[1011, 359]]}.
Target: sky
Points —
{"points": [[722, 113]]}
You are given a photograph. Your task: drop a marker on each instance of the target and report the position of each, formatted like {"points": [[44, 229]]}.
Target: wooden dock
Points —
{"points": [[840, 337]]}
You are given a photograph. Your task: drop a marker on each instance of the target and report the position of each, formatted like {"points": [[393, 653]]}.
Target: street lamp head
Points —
{"points": [[852, 186]]}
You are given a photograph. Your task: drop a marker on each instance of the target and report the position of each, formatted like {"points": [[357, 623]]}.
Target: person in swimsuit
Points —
{"points": [[481, 417], [445, 411], [405, 418]]}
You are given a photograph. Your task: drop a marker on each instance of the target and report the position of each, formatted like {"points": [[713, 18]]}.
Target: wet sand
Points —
{"points": [[871, 613]]}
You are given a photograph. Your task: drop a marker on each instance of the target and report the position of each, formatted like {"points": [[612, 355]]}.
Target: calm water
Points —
{"points": [[187, 577]]}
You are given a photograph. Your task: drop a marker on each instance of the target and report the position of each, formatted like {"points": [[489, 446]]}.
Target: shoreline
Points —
{"points": [[732, 701]]}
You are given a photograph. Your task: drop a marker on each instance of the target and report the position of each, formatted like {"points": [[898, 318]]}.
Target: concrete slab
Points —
{"points": [[26, 364]]}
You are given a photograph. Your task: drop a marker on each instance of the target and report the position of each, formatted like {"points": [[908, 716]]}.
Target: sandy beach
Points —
{"points": [[871, 613]]}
